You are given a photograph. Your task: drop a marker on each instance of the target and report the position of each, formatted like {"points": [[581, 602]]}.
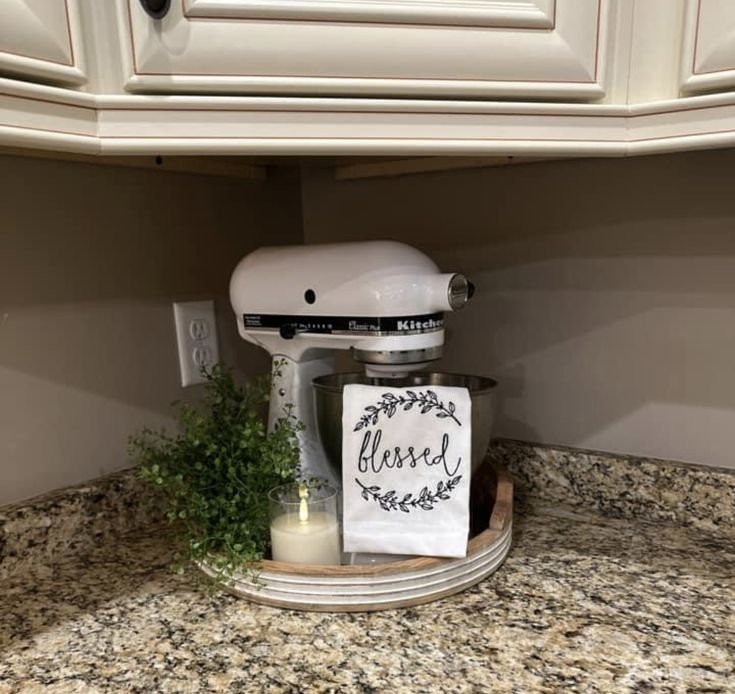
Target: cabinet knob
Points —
{"points": [[157, 9]]}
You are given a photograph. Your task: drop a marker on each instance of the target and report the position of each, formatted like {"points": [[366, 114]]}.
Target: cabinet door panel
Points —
{"points": [[489, 48], [709, 46], [39, 39]]}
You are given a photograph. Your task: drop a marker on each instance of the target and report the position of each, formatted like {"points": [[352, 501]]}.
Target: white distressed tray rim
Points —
{"points": [[396, 584]]}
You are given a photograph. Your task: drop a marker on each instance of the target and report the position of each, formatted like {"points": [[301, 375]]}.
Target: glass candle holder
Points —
{"points": [[304, 524]]}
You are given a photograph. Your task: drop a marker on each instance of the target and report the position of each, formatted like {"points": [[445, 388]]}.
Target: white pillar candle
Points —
{"points": [[313, 540]]}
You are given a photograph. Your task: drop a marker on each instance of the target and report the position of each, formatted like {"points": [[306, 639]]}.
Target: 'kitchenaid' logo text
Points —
{"points": [[420, 324]]}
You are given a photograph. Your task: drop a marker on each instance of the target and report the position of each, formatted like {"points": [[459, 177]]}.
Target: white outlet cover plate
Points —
{"points": [[196, 337]]}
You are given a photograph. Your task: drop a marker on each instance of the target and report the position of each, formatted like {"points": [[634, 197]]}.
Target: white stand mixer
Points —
{"points": [[382, 300]]}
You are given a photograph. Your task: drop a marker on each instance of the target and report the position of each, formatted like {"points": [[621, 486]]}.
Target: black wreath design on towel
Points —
{"points": [[389, 403], [425, 500]]}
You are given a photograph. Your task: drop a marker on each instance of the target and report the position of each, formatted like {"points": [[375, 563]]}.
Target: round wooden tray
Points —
{"points": [[393, 584]]}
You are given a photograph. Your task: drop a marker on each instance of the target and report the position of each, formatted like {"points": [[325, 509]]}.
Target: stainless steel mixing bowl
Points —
{"points": [[328, 401]]}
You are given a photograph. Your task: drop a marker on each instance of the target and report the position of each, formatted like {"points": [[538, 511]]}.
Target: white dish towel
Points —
{"points": [[406, 467]]}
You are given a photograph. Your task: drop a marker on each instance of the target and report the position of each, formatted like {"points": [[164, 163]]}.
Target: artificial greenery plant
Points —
{"points": [[215, 474]]}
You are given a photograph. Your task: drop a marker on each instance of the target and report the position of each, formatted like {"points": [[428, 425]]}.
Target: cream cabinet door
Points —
{"points": [[709, 46], [549, 49], [40, 40]]}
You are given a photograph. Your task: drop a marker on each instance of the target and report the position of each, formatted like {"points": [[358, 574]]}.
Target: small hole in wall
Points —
{"points": [[159, 160]]}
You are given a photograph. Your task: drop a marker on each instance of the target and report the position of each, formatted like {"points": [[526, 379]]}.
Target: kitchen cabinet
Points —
{"points": [[41, 40], [708, 57], [521, 49], [414, 78]]}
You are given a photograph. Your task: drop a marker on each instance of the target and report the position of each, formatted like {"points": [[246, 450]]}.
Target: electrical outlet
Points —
{"points": [[196, 337]]}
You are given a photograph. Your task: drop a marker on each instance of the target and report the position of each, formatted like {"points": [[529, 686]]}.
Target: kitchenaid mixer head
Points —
{"points": [[374, 296]]}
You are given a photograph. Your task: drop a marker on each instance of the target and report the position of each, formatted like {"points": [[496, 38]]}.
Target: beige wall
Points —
{"points": [[606, 291], [90, 260], [606, 301]]}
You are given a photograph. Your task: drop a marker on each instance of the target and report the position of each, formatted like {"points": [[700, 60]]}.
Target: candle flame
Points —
{"points": [[303, 504]]}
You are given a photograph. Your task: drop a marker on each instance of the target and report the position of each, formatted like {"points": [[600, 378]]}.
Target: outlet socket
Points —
{"points": [[196, 337]]}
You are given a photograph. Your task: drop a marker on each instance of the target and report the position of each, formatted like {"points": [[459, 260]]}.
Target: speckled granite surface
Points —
{"points": [[74, 519], [71, 520], [622, 486], [583, 604]]}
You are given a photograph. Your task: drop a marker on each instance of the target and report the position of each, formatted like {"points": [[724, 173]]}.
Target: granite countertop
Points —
{"points": [[584, 603]]}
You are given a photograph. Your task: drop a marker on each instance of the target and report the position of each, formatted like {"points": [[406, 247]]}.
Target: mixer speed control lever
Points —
{"points": [[289, 331]]}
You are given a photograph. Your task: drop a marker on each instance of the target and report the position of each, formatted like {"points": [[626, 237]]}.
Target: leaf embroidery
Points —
{"points": [[425, 500], [389, 403]]}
